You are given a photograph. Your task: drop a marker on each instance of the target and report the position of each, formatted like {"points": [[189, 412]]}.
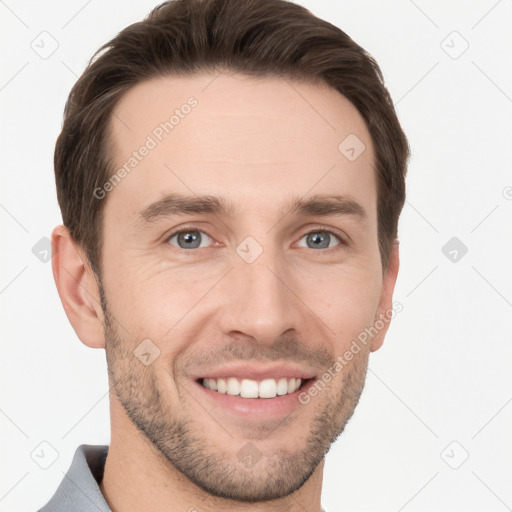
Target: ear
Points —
{"points": [[386, 299], [78, 289]]}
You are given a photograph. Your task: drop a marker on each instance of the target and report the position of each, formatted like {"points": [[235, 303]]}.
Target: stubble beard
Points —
{"points": [[186, 446]]}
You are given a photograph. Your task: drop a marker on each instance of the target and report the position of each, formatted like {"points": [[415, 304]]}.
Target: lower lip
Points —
{"points": [[259, 408]]}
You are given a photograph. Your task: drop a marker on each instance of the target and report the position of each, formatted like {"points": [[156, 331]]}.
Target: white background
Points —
{"points": [[444, 372]]}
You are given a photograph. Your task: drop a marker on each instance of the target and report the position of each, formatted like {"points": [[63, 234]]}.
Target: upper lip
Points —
{"points": [[257, 372]]}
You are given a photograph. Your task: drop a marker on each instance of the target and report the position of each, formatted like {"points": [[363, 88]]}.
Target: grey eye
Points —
{"points": [[320, 239], [190, 239]]}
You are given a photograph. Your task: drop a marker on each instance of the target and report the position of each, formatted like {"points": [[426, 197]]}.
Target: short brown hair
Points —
{"points": [[255, 37]]}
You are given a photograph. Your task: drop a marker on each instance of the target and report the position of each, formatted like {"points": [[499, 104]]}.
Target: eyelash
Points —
{"points": [[327, 251]]}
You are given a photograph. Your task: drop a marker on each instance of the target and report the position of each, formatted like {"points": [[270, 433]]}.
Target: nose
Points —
{"points": [[260, 302]]}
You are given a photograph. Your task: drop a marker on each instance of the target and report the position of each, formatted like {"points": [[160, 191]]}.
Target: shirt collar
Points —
{"points": [[79, 490]]}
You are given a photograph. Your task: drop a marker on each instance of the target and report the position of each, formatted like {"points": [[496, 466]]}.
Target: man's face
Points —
{"points": [[258, 292]]}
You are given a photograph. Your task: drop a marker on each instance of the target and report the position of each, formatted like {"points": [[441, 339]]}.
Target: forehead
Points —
{"points": [[257, 140]]}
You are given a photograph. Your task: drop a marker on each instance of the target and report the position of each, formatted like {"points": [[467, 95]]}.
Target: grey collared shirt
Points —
{"points": [[79, 491]]}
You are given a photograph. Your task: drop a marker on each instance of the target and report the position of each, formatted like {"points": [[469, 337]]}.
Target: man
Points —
{"points": [[230, 175]]}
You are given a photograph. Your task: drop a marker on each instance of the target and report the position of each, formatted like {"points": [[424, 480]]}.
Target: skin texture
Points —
{"points": [[258, 143]]}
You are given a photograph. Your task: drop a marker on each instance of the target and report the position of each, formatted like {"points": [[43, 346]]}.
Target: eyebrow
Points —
{"points": [[313, 206], [321, 205]]}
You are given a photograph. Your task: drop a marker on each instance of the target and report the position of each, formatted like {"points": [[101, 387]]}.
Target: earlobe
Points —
{"points": [[78, 289], [384, 311]]}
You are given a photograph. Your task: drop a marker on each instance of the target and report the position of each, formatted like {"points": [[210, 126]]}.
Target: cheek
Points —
{"points": [[154, 299], [346, 299]]}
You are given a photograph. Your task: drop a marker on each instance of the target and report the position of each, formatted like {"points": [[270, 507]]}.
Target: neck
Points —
{"points": [[137, 475]]}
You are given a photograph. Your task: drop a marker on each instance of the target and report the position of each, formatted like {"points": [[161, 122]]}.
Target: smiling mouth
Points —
{"points": [[248, 388]]}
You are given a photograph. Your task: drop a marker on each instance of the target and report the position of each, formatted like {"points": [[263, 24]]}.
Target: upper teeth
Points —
{"points": [[248, 388]]}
